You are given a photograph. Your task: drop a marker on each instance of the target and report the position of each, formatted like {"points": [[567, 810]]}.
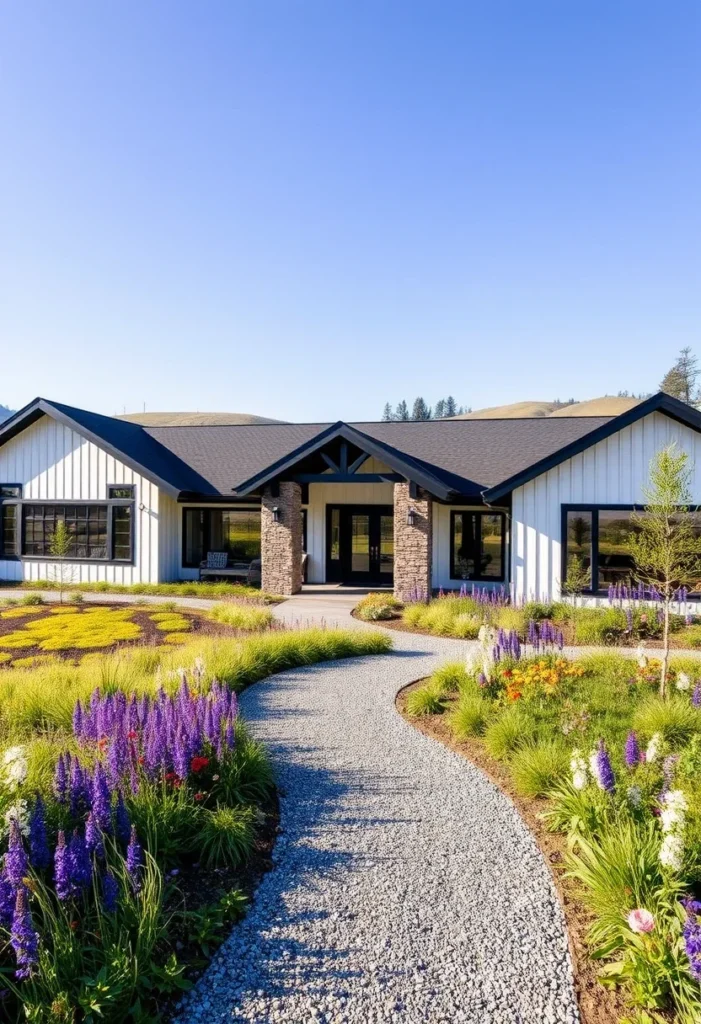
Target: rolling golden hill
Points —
{"points": [[607, 405]]}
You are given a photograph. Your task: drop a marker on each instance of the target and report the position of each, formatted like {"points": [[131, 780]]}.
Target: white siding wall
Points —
{"points": [[53, 462], [613, 471], [321, 495], [441, 549]]}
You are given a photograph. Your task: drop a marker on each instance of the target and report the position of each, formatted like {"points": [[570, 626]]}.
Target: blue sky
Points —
{"points": [[303, 209]]}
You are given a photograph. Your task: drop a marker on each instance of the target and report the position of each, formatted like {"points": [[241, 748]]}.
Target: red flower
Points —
{"points": [[198, 764], [131, 735], [199, 796]]}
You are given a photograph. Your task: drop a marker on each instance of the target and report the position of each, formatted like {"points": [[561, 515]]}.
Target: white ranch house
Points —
{"points": [[415, 505]]}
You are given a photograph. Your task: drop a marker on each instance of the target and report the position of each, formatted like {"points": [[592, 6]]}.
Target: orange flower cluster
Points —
{"points": [[544, 675]]}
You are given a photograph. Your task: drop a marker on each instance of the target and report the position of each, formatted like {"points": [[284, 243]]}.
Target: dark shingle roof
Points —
{"points": [[463, 457], [470, 455]]}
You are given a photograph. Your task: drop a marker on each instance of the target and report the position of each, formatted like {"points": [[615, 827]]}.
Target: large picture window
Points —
{"points": [[599, 537], [234, 531], [98, 531], [477, 545]]}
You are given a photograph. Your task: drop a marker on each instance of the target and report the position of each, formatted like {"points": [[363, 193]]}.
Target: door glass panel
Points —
{"points": [[386, 544], [360, 543], [335, 545]]}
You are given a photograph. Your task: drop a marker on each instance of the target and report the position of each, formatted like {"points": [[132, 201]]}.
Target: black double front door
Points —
{"points": [[360, 544]]}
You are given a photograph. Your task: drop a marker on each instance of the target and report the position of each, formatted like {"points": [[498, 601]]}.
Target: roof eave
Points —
{"points": [[672, 407], [40, 406]]}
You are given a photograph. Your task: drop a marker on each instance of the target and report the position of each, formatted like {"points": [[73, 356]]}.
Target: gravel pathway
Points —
{"points": [[405, 886]]}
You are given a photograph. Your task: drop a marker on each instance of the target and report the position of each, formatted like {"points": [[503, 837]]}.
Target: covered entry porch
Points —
{"points": [[361, 511]]}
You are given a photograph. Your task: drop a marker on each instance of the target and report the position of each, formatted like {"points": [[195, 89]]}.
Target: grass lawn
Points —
{"points": [[184, 588], [137, 812], [615, 770]]}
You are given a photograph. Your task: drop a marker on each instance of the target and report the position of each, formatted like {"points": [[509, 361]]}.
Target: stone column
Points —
{"points": [[281, 541], [413, 545]]}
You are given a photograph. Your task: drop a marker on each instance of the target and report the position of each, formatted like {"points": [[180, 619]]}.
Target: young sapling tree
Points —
{"points": [[62, 572], [665, 549]]}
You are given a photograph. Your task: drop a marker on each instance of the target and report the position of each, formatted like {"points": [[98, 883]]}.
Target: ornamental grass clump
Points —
{"points": [[426, 700], [248, 618], [508, 732], [469, 716], [537, 767], [378, 606]]}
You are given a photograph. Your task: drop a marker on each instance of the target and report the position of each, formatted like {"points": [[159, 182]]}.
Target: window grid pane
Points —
{"points": [[87, 526]]}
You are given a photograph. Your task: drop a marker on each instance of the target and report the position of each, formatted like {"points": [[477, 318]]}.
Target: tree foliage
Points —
{"points": [[664, 547], [680, 380]]}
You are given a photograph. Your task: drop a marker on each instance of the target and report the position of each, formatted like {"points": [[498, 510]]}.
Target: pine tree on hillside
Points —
{"points": [[450, 409], [387, 413], [680, 380], [402, 412], [439, 411], [421, 411]]}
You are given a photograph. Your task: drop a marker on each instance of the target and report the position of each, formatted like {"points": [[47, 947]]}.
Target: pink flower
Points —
{"points": [[641, 921]]}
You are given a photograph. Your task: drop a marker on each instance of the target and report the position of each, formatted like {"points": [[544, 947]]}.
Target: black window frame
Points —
{"points": [[594, 509], [206, 531], [16, 501], [478, 512], [109, 505]]}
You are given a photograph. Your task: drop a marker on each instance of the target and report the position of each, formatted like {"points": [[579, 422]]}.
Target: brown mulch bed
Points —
{"points": [[151, 636], [597, 1005]]}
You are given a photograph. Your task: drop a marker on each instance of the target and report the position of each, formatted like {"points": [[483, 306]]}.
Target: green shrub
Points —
{"points": [[374, 607], [76, 597], [242, 616], [675, 718], [426, 700], [692, 637], [466, 626], [247, 778], [31, 599], [451, 677], [599, 626], [538, 767], [226, 836], [469, 716], [511, 618], [537, 611], [510, 731]]}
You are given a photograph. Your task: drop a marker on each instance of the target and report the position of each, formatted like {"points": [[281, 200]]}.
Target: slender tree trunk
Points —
{"points": [[665, 651]]}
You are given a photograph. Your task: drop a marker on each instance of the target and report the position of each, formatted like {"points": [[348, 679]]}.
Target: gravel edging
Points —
{"points": [[405, 888]]}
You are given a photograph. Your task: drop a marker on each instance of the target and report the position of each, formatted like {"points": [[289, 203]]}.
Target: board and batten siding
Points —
{"points": [[54, 463], [614, 471]]}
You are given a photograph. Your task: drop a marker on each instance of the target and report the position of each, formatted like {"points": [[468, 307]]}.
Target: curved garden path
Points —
{"points": [[405, 888]]}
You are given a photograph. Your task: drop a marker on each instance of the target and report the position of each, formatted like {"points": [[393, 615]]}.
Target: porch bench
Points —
{"points": [[217, 564]]}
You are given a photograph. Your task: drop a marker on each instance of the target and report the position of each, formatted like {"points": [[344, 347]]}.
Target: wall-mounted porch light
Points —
{"points": [[276, 514], [411, 517]]}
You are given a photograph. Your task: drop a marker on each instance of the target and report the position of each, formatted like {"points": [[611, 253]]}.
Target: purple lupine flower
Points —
{"points": [[606, 778], [692, 939], [121, 821], [135, 860], [23, 938], [110, 892], [229, 735], [77, 787], [8, 893], [78, 720], [61, 780], [62, 873], [481, 679], [181, 759], [16, 864], [101, 800], [93, 837], [39, 853], [632, 751], [696, 696], [79, 864]]}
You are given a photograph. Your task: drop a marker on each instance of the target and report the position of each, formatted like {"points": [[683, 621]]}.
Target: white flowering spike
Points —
{"points": [[594, 766], [671, 852], [20, 813], [653, 748], [673, 813], [579, 770], [683, 681], [641, 657], [13, 754]]}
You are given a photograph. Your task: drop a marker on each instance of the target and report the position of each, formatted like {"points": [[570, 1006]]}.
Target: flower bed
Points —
{"points": [[616, 771], [131, 810], [629, 617]]}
